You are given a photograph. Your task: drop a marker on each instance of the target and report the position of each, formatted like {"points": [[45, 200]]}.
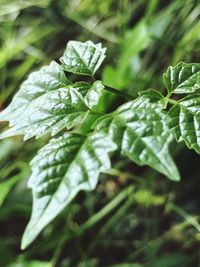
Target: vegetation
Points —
{"points": [[135, 217]]}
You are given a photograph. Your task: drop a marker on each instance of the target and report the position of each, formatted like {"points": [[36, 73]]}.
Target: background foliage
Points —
{"points": [[136, 217]]}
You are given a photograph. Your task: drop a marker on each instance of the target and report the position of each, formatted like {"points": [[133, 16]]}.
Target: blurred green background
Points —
{"points": [[136, 217]]}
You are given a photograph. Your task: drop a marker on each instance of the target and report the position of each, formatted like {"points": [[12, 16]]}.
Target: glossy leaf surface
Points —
{"points": [[61, 169], [49, 113], [185, 121], [36, 111], [140, 130], [154, 96], [83, 58], [183, 78], [48, 78]]}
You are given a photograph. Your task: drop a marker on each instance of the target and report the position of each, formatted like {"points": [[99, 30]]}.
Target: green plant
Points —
{"points": [[140, 129]]}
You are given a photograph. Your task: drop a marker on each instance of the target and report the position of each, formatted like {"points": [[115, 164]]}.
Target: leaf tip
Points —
{"points": [[24, 242], [175, 177], [27, 238]]}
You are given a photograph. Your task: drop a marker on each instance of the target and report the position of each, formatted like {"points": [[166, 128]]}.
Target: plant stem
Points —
{"points": [[105, 210], [173, 102], [187, 217], [92, 221], [118, 92], [97, 113], [169, 100]]}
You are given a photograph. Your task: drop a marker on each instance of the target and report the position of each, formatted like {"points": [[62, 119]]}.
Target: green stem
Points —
{"points": [[118, 92], [92, 221], [169, 100], [97, 113], [106, 210], [113, 220], [187, 217], [173, 102]]}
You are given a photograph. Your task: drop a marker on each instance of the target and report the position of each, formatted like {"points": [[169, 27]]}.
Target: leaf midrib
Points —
{"points": [[51, 197]]}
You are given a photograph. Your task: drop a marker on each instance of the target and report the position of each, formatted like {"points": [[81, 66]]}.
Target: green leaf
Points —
{"points": [[185, 121], [90, 92], [153, 95], [61, 169], [183, 78], [48, 78], [6, 148], [93, 94], [82, 87], [83, 58], [134, 41], [49, 113], [140, 130], [51, 110], [7, 185]]}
